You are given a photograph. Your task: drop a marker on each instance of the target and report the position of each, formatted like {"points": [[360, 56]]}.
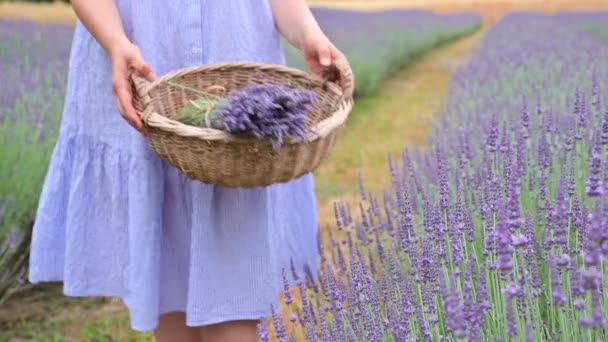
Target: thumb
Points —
{"points": [[324, 54], [146, 71], [142, 69]]}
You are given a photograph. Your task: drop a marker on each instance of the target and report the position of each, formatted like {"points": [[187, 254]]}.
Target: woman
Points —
{"points": [[191, 261]]}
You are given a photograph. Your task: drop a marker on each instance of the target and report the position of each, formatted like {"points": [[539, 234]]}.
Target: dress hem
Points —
{"points": [[148, 327]]}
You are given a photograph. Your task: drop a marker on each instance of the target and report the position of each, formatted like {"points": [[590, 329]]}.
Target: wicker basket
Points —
{"points": [[214, 156]]}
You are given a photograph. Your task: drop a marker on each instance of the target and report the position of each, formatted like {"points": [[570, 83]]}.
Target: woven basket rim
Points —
{"points": [[319, 130], [242, 65]]}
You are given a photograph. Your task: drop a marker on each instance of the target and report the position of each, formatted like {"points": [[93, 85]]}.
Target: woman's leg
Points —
{"points": [[172, 327], [241, 331]]}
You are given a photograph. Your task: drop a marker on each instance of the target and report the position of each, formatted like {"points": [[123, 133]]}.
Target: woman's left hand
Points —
{"points": [[319, 54]]}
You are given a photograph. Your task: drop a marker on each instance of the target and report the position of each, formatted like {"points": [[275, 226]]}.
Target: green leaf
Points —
{"points": [[194, 112]]}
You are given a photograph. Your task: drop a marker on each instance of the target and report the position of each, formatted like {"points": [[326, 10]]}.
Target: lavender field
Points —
{"points": [[496, 231], [379, 43], [594, 23], [33, 67]]}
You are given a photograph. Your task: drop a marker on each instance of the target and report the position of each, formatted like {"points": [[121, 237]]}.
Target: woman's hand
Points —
{"points": [[126, 61], [297, 24], [102, 20], [319, 54]]}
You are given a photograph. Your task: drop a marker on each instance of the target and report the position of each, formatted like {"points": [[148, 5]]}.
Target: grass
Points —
{"points": [[43, 314]]}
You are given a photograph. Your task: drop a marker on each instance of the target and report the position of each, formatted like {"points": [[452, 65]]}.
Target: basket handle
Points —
{"points": [[340, 72], [141, 95]]}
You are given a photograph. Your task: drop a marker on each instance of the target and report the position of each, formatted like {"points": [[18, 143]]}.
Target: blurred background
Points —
{"points": [[403, 53]]}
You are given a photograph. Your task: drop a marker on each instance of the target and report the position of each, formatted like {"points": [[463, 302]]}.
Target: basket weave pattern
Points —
{"points": [[214, 156]]}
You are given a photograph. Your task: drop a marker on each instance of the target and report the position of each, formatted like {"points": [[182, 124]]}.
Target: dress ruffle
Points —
{"points": [[110, 224]]}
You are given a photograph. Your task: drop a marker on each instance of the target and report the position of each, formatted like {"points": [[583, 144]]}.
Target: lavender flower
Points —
{"points": [[286, 289], [13, 240], [594, 183], [277, 320], [493, 134], [525, 119], [265, 111], [263, 332], [604, 138], [487, 236], [452, 308]]}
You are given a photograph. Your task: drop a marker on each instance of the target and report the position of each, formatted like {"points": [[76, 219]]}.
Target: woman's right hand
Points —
{"points": [[127, 60]]}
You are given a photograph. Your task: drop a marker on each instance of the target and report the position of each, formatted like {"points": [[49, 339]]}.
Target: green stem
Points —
{"points": [[198, 91]]}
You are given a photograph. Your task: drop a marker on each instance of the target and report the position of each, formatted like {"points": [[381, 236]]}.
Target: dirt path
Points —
{"points": [[392, 118]]}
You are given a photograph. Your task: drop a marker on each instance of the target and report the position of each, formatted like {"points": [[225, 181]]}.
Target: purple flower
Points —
{"points": [[504, 249], [525, 119], [558, 296], [592, 279], [493, 134], [13, 240], [454, 318], [263, 332], [595, 92], [571, 180], [279, 327], [594, 183], [596, 321], [518, 240], [265, 111], [504, 141], [604, 137], [286, 289], [512, 329], [308, 317]]}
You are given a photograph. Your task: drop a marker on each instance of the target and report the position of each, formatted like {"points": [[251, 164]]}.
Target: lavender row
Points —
{"points": [[496, 231], [595, 23], [33, 70], [378, 43]]}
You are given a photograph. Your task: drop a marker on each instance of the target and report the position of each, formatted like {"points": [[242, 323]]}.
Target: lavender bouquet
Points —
{"points": [[262, 111]]}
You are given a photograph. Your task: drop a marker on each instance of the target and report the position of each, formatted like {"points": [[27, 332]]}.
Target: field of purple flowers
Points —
{"points": [[33, 65], [593, 23], [496, 231]]}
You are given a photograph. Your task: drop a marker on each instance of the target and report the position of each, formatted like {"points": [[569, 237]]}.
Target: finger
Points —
{"points": [[324, 54], [141, 68], [313, 65], [120, 109], [335, 53], [147, 73], [125, 98]]}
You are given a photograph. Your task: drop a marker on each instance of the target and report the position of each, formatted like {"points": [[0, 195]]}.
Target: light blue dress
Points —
{"points": [[113, 220]]}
